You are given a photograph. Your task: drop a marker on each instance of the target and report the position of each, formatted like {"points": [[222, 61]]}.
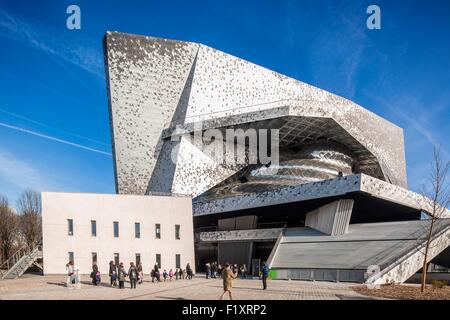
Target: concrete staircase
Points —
{"points": [[372, 253], [21, 261]]}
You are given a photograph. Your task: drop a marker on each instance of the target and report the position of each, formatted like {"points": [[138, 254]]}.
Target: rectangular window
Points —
{"points": [[116, 259], [177, 232], [177, 261], [94, 257], [71, 257], [70, 227], [158, 260], [93, 228], [116, 229], [137, 230], [158, 231], [138, 259]]}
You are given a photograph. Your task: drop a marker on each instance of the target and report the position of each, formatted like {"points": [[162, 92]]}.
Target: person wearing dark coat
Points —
{"points": [[113, 274], [265, 274], [121, 275], [189, 272], [153, 275], [95, 275], [157, 274], [132, 275]]}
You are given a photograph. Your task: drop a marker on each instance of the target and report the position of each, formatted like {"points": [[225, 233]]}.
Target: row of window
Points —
{"points": [[137, 229], [137, 255]]}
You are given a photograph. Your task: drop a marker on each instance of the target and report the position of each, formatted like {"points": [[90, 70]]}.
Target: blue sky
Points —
{"points": [[52, 79]]}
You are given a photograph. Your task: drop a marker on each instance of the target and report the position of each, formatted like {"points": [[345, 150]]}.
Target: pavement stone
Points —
{"points": [[199, 288]]}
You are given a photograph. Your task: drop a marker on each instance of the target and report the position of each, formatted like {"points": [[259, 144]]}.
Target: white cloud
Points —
{"points": [[20, 173], [51, 42]]}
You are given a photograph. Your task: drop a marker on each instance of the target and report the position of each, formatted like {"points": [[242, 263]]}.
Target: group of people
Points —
{"points": [[135, 274], [214, 270], [171, 275], [116, 274]]}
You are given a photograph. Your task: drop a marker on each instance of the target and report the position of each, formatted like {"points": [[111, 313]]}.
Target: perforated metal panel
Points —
{"points": [[321, 275]]}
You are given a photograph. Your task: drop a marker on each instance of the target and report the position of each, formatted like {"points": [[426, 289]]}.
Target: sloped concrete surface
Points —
{"points": [[381, 244]]}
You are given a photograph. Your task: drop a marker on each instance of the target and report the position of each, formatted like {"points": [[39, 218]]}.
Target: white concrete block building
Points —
{"points": [[98, 228]]}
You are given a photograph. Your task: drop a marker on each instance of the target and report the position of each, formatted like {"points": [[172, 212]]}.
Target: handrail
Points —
{"points": [[408, 253], [16, 256]]}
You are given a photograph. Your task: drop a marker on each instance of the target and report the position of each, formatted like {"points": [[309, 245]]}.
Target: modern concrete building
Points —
{"points": [[99, 228], [335, 204], [325, 198]]}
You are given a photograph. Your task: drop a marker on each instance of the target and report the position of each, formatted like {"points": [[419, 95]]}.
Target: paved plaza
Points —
{"points": [[199, 288]]}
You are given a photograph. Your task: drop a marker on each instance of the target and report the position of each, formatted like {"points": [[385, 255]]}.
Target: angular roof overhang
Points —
{"points": [[316, 190]]}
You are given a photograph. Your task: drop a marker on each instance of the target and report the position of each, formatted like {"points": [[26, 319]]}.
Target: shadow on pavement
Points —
{"points": [[171, 298], [60, 284]]}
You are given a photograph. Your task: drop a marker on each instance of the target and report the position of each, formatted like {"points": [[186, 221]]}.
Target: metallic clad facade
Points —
{"points": [[155, 84]]}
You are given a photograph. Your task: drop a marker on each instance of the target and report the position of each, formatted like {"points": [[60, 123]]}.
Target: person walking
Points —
{"points": [[188, 271], [177, 273], [95, 275], [164, 275], [121, 275], [227, 276], [112, 274], [265, 274], [132, 275], [208, 270], [219, 270], [170, 274]]}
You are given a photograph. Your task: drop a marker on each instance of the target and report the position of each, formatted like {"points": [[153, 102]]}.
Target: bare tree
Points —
{"points": [[30, 220], [8, 228], [438, 190]]}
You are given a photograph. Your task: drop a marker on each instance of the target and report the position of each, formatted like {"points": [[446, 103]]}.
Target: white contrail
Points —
{"points": [[50, 127], [53, 138]]}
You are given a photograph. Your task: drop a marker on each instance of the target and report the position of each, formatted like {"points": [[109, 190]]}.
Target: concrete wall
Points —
{"points": [[237, 223], [105, 209], [332, 219], [240, 235]]}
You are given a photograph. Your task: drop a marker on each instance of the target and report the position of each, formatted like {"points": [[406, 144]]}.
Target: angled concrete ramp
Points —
{"points": [[389, 248]]}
